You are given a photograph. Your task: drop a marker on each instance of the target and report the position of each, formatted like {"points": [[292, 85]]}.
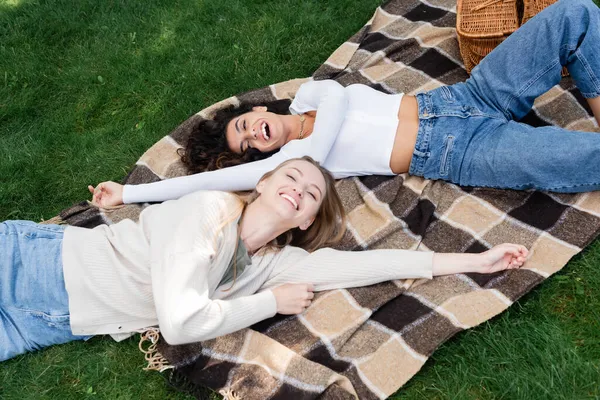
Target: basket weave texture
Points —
{"points": [[481, 25], [533, 7]]}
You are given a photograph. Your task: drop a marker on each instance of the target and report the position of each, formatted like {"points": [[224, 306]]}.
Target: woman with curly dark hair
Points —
{"points": [[466, 133], [207, 148]]}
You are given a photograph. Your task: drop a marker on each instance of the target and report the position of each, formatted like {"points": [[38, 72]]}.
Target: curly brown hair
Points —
{"points": [[207, 149]]}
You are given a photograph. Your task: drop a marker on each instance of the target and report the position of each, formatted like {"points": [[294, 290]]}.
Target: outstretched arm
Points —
{"points": [[330, 100], [239, 177], [498, 258], [327, 97], [332, 269]]}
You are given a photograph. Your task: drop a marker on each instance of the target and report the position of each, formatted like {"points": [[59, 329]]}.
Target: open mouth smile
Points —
{"points": [[266, 131], [291, 200]]}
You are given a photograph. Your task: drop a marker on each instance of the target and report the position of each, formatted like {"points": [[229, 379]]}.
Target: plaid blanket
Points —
{"points": [[367, 342]]}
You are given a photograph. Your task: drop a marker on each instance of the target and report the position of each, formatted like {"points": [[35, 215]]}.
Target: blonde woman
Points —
{"points": [[199, 267]]}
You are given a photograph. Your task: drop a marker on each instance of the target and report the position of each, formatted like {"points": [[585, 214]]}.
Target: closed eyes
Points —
{"points": [[310, 193]]}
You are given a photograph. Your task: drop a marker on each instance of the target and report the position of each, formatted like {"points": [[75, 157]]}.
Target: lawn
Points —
{"points": [[86, 86]]}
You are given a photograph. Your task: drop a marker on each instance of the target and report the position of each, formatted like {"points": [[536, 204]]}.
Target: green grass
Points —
{"points": [[546, 346], [87, 86]]}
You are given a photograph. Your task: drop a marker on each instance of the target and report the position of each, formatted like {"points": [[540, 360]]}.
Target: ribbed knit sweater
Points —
{"points": [[165, 270]]}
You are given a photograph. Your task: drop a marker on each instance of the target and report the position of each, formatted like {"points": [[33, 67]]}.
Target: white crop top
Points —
{"points": [[353, 135]]}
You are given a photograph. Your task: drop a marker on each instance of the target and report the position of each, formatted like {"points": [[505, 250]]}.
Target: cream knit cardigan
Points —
{"points": [[164, 270]]}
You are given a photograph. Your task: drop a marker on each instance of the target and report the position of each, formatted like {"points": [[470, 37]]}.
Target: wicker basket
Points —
{"points": [[532, 7], [483, 24]]}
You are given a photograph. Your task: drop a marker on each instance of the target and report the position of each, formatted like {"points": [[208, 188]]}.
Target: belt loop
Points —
{"points": [[424, 105], [421, 151]]}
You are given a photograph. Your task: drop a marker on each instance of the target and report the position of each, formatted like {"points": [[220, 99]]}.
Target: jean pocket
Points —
{"points": [[56, 321], [45, 233], [446, 155]]}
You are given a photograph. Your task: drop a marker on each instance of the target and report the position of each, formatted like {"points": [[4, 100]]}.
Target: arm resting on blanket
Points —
{"points": [[498, 258], [328, 97], [334, 269], [239, 177]]}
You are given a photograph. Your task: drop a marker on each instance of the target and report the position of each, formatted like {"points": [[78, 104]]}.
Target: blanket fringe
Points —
{"points": [[156, 361], [229, 394]]}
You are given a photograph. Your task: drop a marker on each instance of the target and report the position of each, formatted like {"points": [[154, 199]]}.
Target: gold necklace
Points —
{"points": [[302, 119]]}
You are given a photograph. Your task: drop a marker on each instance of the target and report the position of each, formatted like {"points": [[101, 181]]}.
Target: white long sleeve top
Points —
{"points": [[165, 270], [353, 135]]}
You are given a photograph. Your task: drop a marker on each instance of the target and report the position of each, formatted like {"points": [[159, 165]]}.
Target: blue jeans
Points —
{"points": [[34, 306], [469, 134]]}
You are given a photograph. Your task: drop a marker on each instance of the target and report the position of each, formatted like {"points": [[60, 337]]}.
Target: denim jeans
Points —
{"points": [[469, 134], [34, 305]]}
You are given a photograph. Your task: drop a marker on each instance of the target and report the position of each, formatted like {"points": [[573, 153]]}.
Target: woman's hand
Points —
{"points": [[107, 194], [501, 257], [498, 258], [293, 298]]}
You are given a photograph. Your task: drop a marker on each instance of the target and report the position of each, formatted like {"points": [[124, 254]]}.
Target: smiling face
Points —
{"points": [[258, 129], [295, 192]]}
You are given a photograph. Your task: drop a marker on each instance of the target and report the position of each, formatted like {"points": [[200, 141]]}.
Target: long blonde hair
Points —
{"points": [[327, 229]]}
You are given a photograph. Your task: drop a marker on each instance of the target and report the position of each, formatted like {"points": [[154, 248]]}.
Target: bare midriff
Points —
{"points": [[406, 135]]}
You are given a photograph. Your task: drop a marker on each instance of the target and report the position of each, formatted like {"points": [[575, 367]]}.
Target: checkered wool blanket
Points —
{"points": [[367, 342]]}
